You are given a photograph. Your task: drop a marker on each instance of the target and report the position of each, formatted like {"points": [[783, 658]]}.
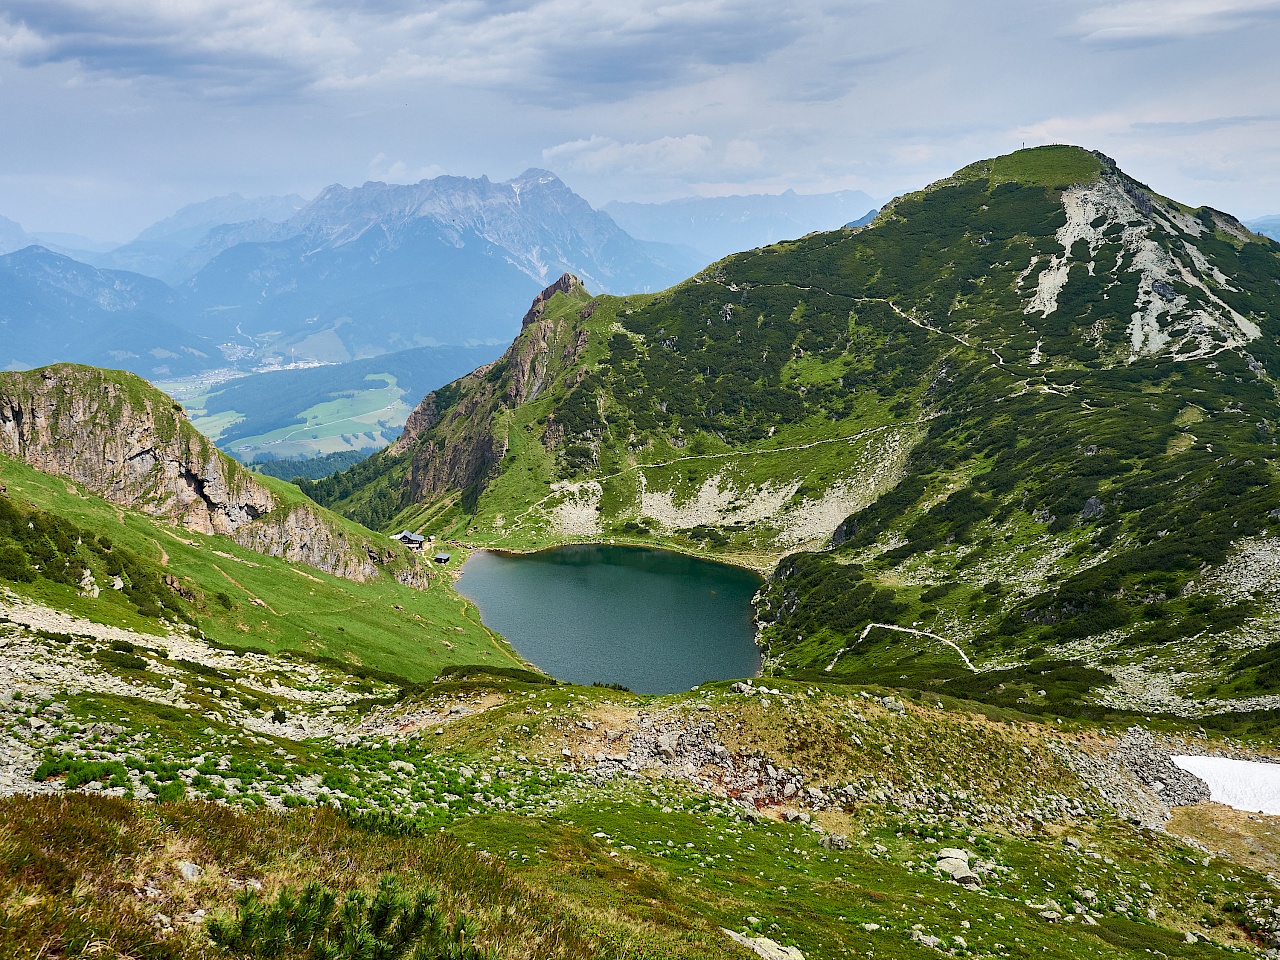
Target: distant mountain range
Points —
{"points": [[55, 308], [714, 227], [452, 260], [13, 237], [436, 273], [1267, 226], [164, 250], [356, 272]]}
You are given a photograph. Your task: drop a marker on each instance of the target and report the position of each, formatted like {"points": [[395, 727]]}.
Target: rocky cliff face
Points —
{"points": [[453, 441], [302, 535], [127, 443], [132, 445]]}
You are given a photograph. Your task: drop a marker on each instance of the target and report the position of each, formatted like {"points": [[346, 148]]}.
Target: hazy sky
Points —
{"points": [[116, 112]]}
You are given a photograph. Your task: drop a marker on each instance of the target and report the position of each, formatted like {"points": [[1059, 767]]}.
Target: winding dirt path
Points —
{"points": [[257, 601]]}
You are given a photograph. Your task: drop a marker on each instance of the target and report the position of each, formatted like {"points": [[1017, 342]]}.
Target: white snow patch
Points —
{"points": [[1244, 784]]}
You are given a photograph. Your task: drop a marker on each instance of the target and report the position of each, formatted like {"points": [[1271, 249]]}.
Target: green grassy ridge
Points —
{"points": [[1056, 166], [381, 624], [128, 399], [514, 505], [1165, 516], [36, 545]]}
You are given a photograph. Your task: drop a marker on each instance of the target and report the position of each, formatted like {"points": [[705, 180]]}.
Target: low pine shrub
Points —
{"points": [[312, 925]]}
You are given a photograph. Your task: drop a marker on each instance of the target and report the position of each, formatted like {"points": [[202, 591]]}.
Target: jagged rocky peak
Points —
{"points": [[449, 433], [132, 445], [566, 284]]}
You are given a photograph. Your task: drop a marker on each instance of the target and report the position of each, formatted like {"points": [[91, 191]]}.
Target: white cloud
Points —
{"points": [[397, 171], [217, 44], [551, 50], [1132, 20], [644, 99], [18, 42], [665, 156]]}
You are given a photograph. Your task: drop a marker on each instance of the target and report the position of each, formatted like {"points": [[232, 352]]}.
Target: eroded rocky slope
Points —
{"points": [[132, 445]]}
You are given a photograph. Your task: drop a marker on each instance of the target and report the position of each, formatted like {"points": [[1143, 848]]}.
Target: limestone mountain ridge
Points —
{"points": [[132, 445]]}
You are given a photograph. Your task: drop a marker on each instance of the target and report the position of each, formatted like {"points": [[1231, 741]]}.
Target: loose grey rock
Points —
{"points": [[188, 871], [764, 947]]}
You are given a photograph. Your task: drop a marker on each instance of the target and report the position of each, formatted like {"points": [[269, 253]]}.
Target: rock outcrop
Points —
{"points": [[565, 284], [132, 445], [451, 435], [302, 535], [128, 443]]}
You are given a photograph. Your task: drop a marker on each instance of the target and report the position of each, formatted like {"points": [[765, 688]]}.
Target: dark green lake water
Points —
{"points": [[651, 620]]}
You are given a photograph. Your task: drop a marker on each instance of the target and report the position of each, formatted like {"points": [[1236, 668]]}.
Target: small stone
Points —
{"points": [[188, 871], [926, 939]]}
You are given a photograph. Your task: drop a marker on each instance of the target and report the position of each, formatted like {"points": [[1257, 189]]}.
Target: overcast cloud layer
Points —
{"points": [[116, 112]]}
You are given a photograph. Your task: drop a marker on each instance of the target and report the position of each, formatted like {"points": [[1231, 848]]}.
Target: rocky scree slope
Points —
{"points": [[132, 445], [1028, 414]]}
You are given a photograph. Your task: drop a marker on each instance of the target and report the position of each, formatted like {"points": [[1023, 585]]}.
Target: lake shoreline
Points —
{"points": [[763, 570], [654, 620]]}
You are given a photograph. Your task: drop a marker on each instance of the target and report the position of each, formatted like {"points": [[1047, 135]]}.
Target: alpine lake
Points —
{"points": [[653, 621]]}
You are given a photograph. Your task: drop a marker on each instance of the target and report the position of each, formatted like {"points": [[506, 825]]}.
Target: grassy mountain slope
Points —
{"points": [[501, 795], [154, 780], [128, 442], [1033, 403], [242, 599]]}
